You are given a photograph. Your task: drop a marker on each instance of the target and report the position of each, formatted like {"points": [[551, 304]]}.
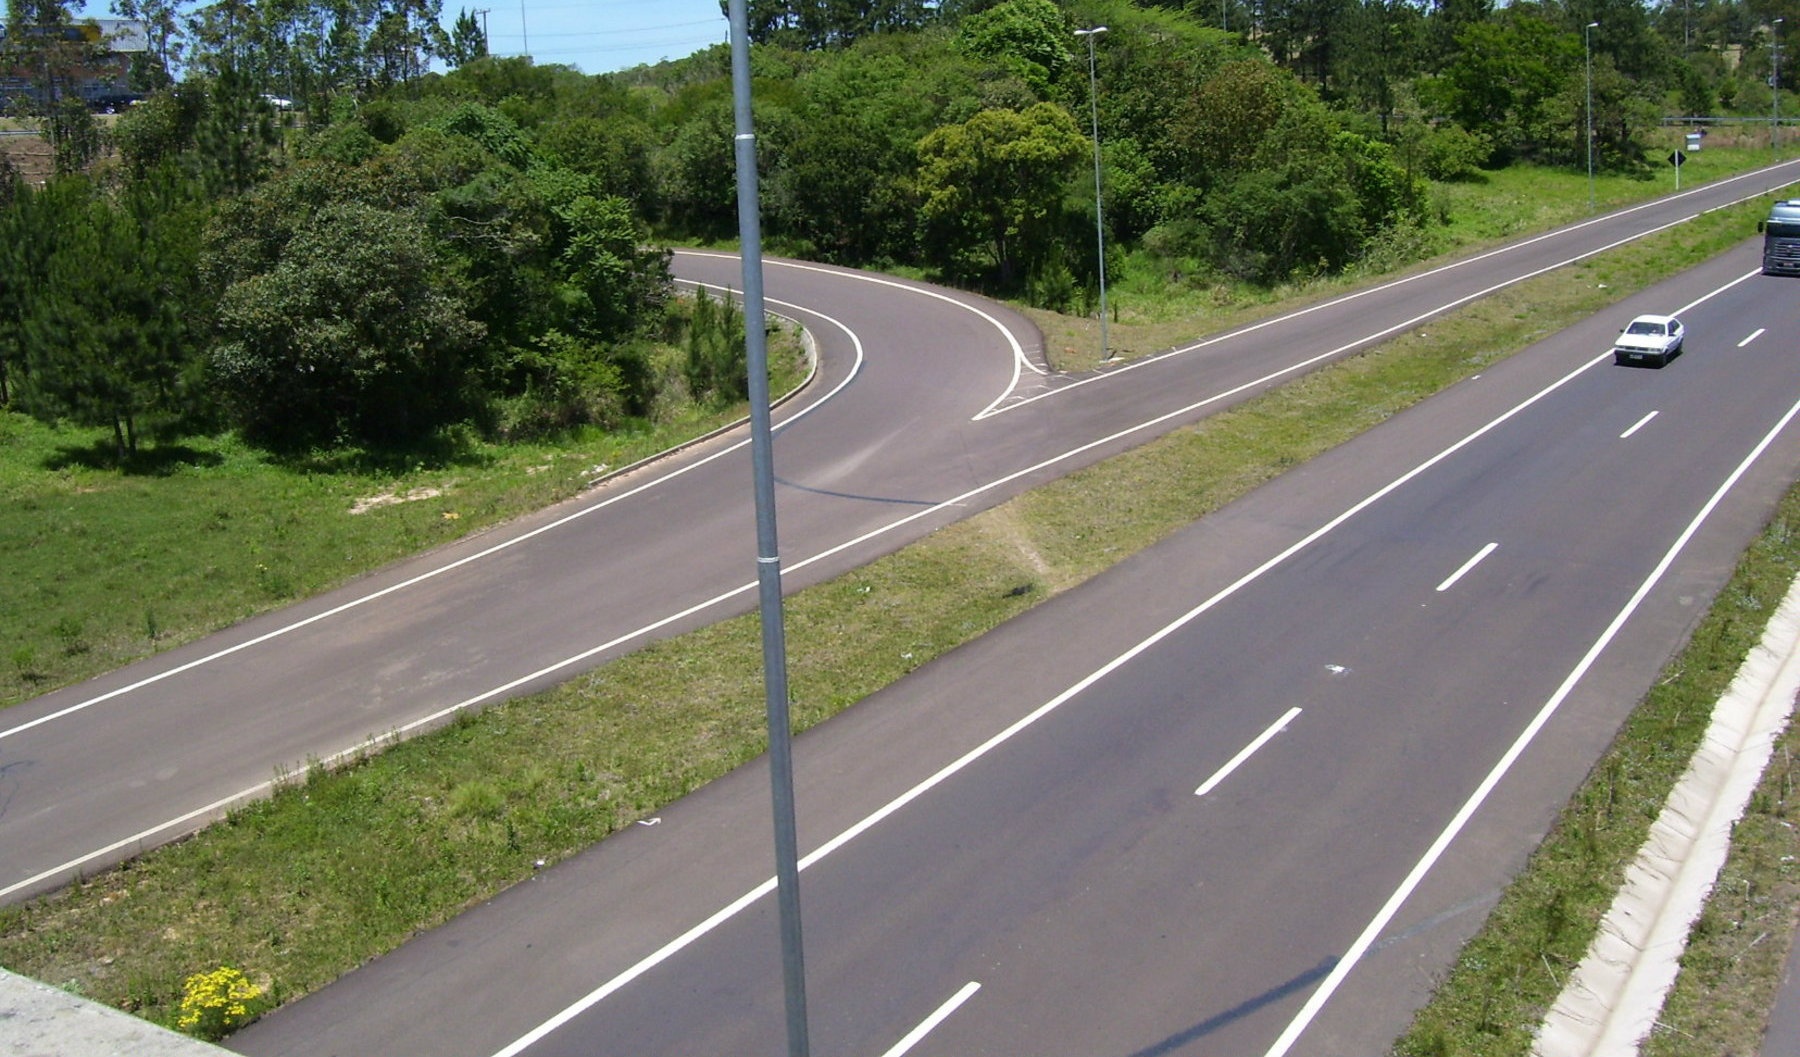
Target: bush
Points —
{"points": [[716, 369], [214, 1003]]}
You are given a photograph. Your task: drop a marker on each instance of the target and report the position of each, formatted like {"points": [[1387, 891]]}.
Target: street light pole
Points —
{"points": [[1775, 84], [1587, 36], [768, 552], [1099, 222]]}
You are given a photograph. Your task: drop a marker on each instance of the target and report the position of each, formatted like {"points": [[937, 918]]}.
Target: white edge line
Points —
{"points": [[1380, 922], [943, 1012], [1422, 317], [667, 951], [460, 562], [1052, 705], [1450, 581], [1752, 336], [1247, 751], [1640, 424], [715, 600], [1366, 339], [1020, 362]]}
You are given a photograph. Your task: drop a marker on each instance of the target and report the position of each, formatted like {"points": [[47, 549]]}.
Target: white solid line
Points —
{"points": [[1020, 362], [1757, 333], [1030, 718], [1247, 751], [667, 951], [1529, 734], [1420, 318], [1641, 423], [430, 574], [912, 1038], [1450, 581]]}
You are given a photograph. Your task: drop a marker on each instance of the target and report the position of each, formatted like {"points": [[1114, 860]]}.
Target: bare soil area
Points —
{"points": [[29, 154]]}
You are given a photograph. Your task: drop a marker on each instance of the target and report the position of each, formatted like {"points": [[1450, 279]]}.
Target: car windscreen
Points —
{"points": [[1642, 327], [1783, 229]]}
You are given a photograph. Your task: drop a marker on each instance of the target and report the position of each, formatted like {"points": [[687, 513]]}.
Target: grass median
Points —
{"points": [[340, 866]]}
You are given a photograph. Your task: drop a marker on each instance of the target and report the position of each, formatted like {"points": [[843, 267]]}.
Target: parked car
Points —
{"points": [[1649, 339]]}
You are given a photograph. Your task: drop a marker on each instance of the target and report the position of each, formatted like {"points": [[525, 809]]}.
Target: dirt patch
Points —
{"points": [[29, 154], [363, 506]]}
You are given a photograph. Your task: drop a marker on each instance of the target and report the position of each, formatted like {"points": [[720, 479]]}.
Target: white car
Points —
{"points": [[1649, 339]]}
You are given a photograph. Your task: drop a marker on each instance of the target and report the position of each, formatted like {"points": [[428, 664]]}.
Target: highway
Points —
{"points": [[929, 406], [1247, 793]]}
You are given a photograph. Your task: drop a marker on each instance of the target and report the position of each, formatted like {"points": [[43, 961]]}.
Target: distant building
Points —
{"points": [[104, 82]]}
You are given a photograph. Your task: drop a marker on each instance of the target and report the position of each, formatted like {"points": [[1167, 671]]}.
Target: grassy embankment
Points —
{"points": [[104, 566], [343, 866]]}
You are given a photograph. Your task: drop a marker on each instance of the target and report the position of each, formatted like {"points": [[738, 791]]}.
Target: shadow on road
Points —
{"points": [[1242, 1009]]}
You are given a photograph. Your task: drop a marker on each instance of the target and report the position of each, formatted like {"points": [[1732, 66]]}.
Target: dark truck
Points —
{"points": [[1781, 238]]}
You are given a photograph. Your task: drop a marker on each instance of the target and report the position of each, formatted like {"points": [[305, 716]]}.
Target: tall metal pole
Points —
{"points": [[1099, 215], [1587, 36], [768, 557], [1775, 84]]}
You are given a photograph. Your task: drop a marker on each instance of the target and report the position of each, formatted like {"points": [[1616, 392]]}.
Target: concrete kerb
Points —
{"points": [[807, 342], [37, 1020], [1615, 995]]}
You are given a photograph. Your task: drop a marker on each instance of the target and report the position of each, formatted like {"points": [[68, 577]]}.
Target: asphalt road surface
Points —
{"points": [[1245, 794], [953, 420]]}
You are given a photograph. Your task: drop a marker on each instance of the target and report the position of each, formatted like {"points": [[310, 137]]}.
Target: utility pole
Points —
{"points": [[1775, 84], [768, 553], [1099, 213], [1587, 38]]}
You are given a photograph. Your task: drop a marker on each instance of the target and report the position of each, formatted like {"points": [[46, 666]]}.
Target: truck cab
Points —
{"points": [[1781, 238]]}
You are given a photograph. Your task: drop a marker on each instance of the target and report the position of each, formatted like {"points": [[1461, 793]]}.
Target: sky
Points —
{"points": [[595, 36], [598, 36]]}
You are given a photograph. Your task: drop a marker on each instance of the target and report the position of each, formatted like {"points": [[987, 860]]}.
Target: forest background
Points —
{"points": [[305, 235], [337, 245]]}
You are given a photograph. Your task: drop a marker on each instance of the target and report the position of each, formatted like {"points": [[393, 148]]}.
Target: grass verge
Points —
{"points": [[1493, 1000], [340, 867], [225, 531]]}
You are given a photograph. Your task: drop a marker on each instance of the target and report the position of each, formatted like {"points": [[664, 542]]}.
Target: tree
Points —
{"points": [[235, 134], [403, 37], [993, 189], [1030, 38], [1215, 130], [1379, 52], [467, 41], [1506, 79], [16, 277], [352, 336], [42, 40], [1304, 35], [808, 24], [162, 28], [696, 173], [108, 331], [161, 128], [75, 137]]}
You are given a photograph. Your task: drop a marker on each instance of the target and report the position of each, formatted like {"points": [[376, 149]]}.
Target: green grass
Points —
{"points": [[105, 565], [297, 889], [1494, 999], [1158, 304]]}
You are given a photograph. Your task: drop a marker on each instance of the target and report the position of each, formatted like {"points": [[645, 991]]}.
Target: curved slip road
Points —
{"points": [[1242, 795], [928, 407], [90, 774]]}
